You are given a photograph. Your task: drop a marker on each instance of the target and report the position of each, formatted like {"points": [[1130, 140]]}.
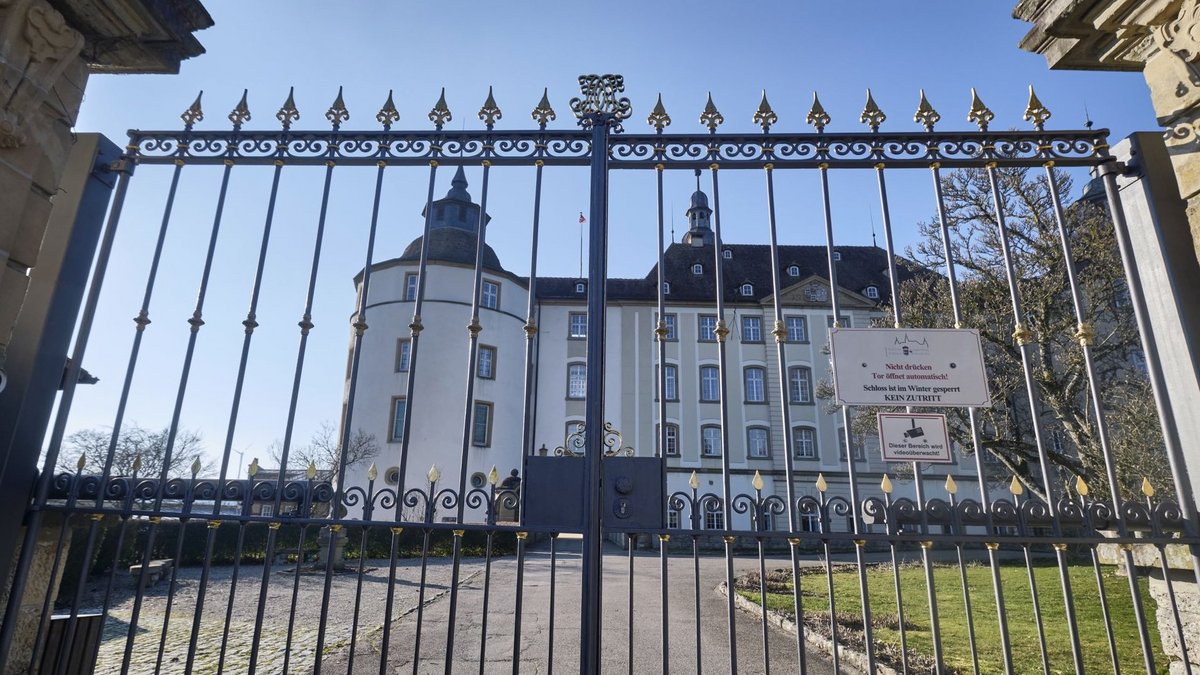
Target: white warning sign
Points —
{"points": [[920, 367], [914, 437]]}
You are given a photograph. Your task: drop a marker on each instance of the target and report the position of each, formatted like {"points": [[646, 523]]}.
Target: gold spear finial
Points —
{"points": [[1015, 487], [373, 472], [490, 112], [193, 114], [817, 115], [137, 463], [886, 485], [311, 471], [1036, 112], [440, 114], [195, 467], [1147, 488], [926, 116], [288, 112], [252, 470], [1080, 486], [493, 476], [543, 114], [694, 481], [765, 116], [821, 484], [434, 474], [951, 486], [979, 114], [757, 481], [241, 112], [871, 115], [388, 115], [658, 117], [337, 112], [81, 462], [711, 117]]}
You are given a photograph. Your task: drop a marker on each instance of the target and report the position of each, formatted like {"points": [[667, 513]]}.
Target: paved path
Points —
{"points": [[538, 637]]}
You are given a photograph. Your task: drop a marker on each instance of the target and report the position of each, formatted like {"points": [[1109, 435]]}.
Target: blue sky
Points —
{"points": [[681, 49]]}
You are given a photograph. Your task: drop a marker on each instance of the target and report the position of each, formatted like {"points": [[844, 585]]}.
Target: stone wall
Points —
{"points": [[1160, 38], [42, 79]]}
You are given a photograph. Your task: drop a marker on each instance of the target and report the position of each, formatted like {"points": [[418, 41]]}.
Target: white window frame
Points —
{"points": [[576, 386], [410, 285], [754, 381], [747, 290], [486, 441], [396, 429], [577, 326], [765, 452], [752, 329], [671, 382], [489, 300], [490, 374], [872, 292], [710, 387], [672, 449], [403, 354], [698, 269], [800, 389], [704, 330], [799, 449], [710, 440], [793, 270], [802, 321]]}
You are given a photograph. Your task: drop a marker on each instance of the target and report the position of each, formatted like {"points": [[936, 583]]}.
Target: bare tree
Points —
{"points": [[133, 442], [324, 450], [1066, 410]]}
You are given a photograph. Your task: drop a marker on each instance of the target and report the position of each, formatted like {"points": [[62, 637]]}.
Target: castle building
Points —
{"points": [[496, 432]]}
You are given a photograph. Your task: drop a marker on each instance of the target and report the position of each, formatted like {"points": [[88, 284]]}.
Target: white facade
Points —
{"points": [[443, 418]]}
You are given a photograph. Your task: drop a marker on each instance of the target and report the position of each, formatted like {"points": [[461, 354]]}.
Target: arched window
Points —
{"points": [[710, 383], [747, 290], [872, 292], [793, 270], [758, 442], [800, 384], [697, 269], [710, 441], [755, 380], [580, 287], [804, 442], [727, 254]]}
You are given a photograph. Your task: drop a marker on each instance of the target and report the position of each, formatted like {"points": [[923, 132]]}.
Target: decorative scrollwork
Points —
{"points": [[710, 116], [240, 113], [1035, 112], [817, 116], [871, 115], [490, 112], [193, 114], [979, 113], [388, 115], [288, 112], [765, 116], [542, 113], [440, 113], [337, 112], [926, 116], [601, 101], [575, 444]]}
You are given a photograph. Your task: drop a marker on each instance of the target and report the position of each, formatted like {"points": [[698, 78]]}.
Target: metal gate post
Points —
{"points": [[1164, 260], [598, 110]]}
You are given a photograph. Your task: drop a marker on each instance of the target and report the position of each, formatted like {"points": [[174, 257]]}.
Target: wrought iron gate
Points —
{"points": [[318, 617]]}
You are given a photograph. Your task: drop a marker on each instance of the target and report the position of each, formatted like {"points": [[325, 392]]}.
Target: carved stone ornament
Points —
{"points": [[1182, 35], [37, 45]]}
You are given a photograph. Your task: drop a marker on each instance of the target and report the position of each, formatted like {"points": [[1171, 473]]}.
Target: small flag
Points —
{"points": [[581, 218]]}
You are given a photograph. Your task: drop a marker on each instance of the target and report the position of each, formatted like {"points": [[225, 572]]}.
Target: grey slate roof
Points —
{"points": [[860, 267]]}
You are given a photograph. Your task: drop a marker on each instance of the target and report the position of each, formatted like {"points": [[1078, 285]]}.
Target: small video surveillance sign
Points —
{"points": [[914, 437]]}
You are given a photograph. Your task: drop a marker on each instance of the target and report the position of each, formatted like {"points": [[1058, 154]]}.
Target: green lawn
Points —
{"points": [[1022, 628]]}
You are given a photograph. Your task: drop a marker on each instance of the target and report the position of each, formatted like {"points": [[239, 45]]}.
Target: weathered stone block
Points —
{"points": [[39, 582]]}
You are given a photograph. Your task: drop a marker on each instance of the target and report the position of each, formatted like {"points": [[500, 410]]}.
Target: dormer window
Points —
{"points": [[793, 270], [580, 287], [697, 269], [872, 292], [727, 254], [666, 288], [837, 255], [747, 290]]}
